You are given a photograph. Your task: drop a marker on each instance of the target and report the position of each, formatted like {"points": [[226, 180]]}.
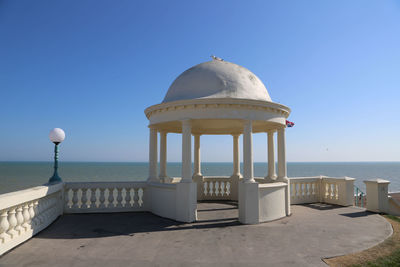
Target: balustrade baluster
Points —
{"points": [[32, 214], [20, 220], [93, 198], [4, 225], [110, 198], [12, 220], [119, 197], [223, 188], [205, 188], [216, 186], [84, 198], [39, 213], [102, 198], [330, 191], [27, 217], [75, 198], [52, 207], [295, 185], [136, 197], [128, 198], [44, 209], [336, 191], [49, 211], [67, 199], [141, 194]]}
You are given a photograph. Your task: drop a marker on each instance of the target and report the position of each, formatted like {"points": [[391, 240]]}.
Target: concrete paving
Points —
{"points": [[217, 239]]}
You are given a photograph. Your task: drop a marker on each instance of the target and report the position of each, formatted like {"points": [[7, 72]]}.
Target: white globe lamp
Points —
{"points": [[56, 136]]}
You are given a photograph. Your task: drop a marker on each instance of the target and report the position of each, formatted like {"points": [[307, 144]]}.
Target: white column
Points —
{"points": [[236, 159], [163, 154], [186, 151], [271, 156], [153, 155], [197, 162], [282, 176], [248, 153]]}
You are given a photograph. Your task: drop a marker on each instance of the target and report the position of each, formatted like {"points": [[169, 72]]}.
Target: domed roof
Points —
{"points": [[217, 79]]}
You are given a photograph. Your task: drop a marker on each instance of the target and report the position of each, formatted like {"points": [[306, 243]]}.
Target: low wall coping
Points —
{"points": [[377, 181], [277, 184], [17, 197], [162, 185]]}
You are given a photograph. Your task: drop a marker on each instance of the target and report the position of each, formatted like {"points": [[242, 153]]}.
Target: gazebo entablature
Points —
{"points": [[267, 115]]}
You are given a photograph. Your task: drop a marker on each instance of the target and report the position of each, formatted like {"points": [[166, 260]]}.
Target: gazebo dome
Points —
{"points": [[217, 79]]}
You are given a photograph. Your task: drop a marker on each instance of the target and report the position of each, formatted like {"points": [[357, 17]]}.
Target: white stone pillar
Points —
{"points": [[153, 156], [186, 151], [236, 156], [377, 195], [235, 177], [248, 153], [197, 161], [282, 175], [163, 155], [271, 157]]}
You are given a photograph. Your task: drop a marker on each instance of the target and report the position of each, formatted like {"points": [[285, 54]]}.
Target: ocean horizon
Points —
{"points": [[18, 175]]}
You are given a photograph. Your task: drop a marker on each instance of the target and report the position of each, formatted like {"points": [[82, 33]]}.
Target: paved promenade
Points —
{"points": [[217, 239]]}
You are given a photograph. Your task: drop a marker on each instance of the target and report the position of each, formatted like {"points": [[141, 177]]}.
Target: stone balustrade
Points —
{"points": [[332, 190], [104, 197], [305, 190], [216, 188], [25, 213]]}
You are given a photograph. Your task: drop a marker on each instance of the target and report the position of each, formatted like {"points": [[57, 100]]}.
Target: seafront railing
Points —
{"points": [[216, 188], [91, 197], [25, 213], [360, 198], [332, 190]]}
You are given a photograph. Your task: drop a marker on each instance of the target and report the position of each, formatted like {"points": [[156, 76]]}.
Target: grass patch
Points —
{"points": [[386, 253]]}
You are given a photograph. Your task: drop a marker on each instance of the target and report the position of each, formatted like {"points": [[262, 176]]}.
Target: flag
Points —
{"points": [[289, 123]]}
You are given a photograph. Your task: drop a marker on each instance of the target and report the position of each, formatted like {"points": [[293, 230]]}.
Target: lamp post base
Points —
{"points": [[54, 179]]}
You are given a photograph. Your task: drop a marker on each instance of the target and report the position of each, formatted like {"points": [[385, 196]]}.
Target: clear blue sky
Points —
{"points": [[92, 67]]}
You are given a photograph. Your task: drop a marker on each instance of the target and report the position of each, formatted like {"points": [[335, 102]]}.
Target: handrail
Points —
{"points": [[359, 194]]}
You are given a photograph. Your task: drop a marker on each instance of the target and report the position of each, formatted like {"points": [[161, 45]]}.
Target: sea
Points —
{"points": [[21, 175]]}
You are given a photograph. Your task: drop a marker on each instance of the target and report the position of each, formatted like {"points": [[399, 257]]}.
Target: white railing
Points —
{"points": [[322, 189], [25, 213], [216, 188], [104, 197], [305, 190]]}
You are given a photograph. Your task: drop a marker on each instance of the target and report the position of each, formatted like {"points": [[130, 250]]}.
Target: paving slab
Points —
{"points": [[313, 232]]}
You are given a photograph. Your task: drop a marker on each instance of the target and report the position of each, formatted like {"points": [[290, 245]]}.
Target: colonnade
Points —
{"points": [[248, 170]]}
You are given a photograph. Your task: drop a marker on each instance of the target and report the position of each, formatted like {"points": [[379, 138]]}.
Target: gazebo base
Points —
{"points": [[262, 202], [258, 202]]}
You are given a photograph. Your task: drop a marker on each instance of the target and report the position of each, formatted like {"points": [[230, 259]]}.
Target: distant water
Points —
{"points": [[21, 175]]}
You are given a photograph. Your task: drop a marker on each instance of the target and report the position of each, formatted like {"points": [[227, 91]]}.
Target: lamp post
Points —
{"points": [[56, 136]]}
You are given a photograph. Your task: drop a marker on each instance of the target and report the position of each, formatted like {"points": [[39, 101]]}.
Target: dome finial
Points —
{"points": [[216, 58]]}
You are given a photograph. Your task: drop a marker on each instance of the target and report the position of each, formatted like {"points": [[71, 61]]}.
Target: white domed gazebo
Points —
{"points": [[218, 98]]}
